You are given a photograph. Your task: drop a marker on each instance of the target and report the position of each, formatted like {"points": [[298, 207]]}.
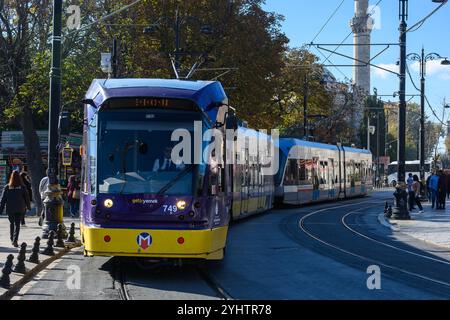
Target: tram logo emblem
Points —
{"points": [[144, 240]]}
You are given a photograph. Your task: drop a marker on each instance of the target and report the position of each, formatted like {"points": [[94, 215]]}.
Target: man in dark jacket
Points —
{"points": [[442, 190]]}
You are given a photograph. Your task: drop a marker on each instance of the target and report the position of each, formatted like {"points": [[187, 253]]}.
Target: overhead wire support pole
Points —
{"points": [[400, 210]]}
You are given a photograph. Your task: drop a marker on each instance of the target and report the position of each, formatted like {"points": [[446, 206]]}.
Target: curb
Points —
{"points": [[27, 277], [385, 222]]}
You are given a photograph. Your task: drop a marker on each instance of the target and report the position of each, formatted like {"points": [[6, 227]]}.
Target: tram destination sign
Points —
{"points": [[150, 103]]}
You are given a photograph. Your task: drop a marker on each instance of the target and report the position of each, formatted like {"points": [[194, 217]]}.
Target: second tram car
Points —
{"points": [[313, 172]]}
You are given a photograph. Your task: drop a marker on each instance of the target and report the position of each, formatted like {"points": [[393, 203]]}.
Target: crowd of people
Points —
{"points": [[17, 197], [437, 190]]}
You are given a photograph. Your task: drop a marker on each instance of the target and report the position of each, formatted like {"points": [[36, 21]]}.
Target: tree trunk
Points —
{"points": [[34, 158]]}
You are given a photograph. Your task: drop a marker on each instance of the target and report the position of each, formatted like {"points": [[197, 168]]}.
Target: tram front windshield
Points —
{"points": [[135, 152]]}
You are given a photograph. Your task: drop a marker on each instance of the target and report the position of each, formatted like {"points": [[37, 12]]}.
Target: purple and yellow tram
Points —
{"points": [[138, 202], [135, 201]]}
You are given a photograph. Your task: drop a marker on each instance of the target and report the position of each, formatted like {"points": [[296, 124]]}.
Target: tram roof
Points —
{"points": [[203, 93], [286, 145]]}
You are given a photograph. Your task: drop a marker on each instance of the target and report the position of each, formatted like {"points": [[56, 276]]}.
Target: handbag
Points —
{"points": [[76, 194]]}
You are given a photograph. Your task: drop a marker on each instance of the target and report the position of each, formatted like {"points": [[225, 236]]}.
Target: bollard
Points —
{"points": [[388, 213], [6, 271], [60, 237], [72, 233], [49, 250], [34, 258], [386, 206], [20, 266]]}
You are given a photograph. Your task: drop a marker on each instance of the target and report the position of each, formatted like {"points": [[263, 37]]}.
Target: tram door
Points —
{"points": [[245, 190]]}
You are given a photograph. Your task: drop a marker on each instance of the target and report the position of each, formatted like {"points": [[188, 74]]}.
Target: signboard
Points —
{"points": [[105, 62], [385, 161], [3, 173], [67, 156], [14, 139]]}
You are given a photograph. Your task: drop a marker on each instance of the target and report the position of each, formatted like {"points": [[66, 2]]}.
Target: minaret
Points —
{"points": [[362, 25]]}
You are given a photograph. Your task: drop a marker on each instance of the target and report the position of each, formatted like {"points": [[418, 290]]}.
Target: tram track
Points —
{"points": [[121, 281], [350, 250]]}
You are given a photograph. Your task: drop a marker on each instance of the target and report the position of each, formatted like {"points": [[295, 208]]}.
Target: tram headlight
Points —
{"points": [[181, 205], [108, 203]]}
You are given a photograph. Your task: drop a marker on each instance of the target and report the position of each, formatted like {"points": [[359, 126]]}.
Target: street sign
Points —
{"points": [[67, 156], [105, 63]]}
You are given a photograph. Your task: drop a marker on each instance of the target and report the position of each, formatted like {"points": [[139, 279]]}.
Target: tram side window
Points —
{"points": [[357, 172], [303, 174], [323, 172], [291, 175]]}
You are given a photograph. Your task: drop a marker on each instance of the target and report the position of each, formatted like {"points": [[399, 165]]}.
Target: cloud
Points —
{"points": [[383, 74], [434, 67]]}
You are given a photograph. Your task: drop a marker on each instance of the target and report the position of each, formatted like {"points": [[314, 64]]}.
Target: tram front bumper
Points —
{"points": [[188, 244]]}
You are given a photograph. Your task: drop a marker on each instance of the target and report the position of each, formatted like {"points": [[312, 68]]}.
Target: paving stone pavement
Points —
{"points": [[432, 226], [28, 235]]}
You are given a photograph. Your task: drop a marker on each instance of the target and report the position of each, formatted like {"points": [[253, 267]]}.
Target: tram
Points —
{"points": [[313, 172], [136, 201]]}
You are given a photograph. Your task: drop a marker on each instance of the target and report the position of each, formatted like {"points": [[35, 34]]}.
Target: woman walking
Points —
{"points": [[416, 189], [73, 195], [15, 199]]}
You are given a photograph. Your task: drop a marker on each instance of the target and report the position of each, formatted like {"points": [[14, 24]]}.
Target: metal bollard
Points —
{"points": [[60, 237], [72, 233], [6, 271], [20, 266], [50, 242], [34, 258]]}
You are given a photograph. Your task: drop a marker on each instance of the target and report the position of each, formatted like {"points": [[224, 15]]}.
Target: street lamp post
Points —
{"points": [[53, 203], [423, 59], [400, 211]]}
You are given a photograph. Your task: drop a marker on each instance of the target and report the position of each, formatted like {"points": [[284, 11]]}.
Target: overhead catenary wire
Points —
{"points": [[426, 98], [343, 41], [328, 20], [420, 23], [105, 17]]}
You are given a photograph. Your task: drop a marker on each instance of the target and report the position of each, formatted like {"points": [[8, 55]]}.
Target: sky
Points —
{"points": [[304, 18]]}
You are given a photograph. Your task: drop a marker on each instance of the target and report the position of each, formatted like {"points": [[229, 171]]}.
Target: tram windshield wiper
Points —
{"points": [[177, 178]]}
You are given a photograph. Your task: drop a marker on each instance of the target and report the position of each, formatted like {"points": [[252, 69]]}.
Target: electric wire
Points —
{"points": [[345, 39], [426, 98], [329, 19], [105, 17], [422, 21]]}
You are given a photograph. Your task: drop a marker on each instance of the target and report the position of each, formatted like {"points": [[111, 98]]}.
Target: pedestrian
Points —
{"points": [[15, 199], [448, 185], [433, 188], [416, 188], [442, 190], [27, 184], [411, 196], [428, 188], [43, 184], [73, 195]]}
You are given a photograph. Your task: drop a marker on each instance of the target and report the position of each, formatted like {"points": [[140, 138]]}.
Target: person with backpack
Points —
{"points": [[73, 195], [15, 199]]}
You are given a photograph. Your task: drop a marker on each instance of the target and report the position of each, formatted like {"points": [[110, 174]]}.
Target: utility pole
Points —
{"points": [[53, 203], [400, 211], [422, 116], [177, 39], [115, 59], [305, 107]]}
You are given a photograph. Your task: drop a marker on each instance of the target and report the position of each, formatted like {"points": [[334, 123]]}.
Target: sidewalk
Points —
{"points": [[28, 235], [433, 226]]}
